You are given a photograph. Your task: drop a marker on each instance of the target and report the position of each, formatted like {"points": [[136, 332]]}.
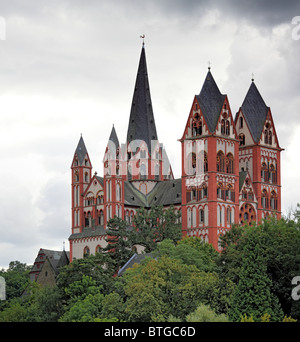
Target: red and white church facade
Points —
{"points": [[230, 169]]}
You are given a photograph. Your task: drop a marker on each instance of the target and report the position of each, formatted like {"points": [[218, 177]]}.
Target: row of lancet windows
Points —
{"points": [[199, 165], [225, 164], [268, 173], [269, 202]]}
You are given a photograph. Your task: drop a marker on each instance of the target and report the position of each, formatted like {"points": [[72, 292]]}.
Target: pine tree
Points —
{"points": [[252, 295], [119, 244]]}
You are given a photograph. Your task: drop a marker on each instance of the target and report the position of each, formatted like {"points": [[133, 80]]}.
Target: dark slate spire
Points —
{"points": [[255, 111], [81, 151], [211, 101], [114, 138], [141, 122]]}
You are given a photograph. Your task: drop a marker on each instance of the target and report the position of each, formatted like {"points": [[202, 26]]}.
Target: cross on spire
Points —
{"points": [[143, 37]]}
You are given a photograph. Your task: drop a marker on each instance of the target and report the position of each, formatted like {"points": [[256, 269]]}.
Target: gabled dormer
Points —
{"points": [[243, 130], [196, 125], [268, 136], [225, 126]]}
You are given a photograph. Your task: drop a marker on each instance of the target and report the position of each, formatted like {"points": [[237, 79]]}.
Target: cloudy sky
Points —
{"points": [[69, 67]]}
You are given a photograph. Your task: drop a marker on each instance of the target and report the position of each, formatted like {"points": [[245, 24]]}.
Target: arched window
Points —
{"points": [[228, 216], [273, 201], [101, 218], [76, 176], [266, 136], [189, 218], [272, 174], [227, 128], [223, 126], [220, 162], [229, 163], [98, 249], [270, 138], [201, 216], [220, 191], [197, 126], [86, 251], [242, 139], [264, 172], [118, 192], [241, 122], [264, 199], [230, 194], [192, 162]]}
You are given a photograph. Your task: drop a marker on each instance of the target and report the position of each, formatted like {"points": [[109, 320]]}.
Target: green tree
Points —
{"points": [[119, 244], [155, 225], [16, 278], [93, 266], [252, 295], [46, 305], [280, 240], [204, 313], [163, 287]]}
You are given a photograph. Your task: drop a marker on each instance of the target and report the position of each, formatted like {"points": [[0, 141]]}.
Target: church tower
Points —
{"points": [[210, 172], [113, 180], [145, 156], [81, 175], [259, 155]]}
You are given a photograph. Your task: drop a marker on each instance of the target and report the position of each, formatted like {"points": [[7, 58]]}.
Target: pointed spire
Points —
{"points": [[81, 150], [255, 111], [114, 138], [141, 122], [211, 101]]}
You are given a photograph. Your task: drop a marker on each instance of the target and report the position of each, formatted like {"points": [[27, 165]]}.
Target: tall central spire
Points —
{"points": [[141, 122]]}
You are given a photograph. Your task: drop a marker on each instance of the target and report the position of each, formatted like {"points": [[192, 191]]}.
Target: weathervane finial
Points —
{"points": [[209, 64], [252, 79], [143, 36]]}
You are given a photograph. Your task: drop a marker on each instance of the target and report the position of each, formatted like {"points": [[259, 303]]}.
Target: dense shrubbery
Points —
{"points": [[185, 280]]}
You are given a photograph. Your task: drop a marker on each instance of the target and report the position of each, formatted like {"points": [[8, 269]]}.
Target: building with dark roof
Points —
{"points": [[47, 265], [230, 168]]}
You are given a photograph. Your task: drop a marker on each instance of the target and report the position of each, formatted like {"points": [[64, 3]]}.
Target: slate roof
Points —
{"points": [[88, 232], [164, 193], [141, 121], [114, 138], [101, 180], [211, 101], [135, 259], [242, 177], [255, 111], [57, 259], [81, 151]]}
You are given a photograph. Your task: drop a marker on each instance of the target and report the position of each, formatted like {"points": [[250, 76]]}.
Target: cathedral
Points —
{"points": [[230, 169]]}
